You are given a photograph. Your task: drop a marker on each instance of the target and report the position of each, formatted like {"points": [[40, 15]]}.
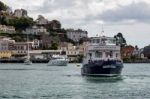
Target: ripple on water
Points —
{"points": [[43, 82]]}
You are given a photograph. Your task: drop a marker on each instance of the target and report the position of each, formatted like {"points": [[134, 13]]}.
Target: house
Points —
{"points": [[73, 52], [36, 30], [21, 48], [76, 35], [5, 51], [7, 29], [127, 51]]}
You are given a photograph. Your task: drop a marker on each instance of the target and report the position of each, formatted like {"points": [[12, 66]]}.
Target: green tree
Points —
{"points": [[17, 38], [3, 6], [21, 23], [54, 46], [120, 40]]}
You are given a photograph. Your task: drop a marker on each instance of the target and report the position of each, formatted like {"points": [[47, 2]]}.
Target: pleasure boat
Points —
{"points": [[58, 60], [27, 60], [102, 58]]}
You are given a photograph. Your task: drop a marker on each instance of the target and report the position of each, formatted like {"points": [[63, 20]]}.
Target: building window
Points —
{"points": [[98, 54]]}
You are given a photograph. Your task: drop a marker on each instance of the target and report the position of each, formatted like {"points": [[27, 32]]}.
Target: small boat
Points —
{"points": [[58, 60], [27, 60], [102, 58]]}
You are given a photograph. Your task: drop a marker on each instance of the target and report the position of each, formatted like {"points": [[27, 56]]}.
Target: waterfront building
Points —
{"points": [[5, 54], [5, 46], [76, 35], [36, 44], [127, 51], [71, 51], [7, 29], [21, 48], [20, 13], [82, 48]]}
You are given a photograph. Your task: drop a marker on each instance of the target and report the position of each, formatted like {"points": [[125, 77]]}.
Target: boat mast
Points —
{"points": [[102, 32], [27, 47]]}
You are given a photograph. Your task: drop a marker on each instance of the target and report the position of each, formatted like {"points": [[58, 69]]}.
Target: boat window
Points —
{"points": [[97, 41], [117, 55], [111, 54], [90, 54], [107, 54], [98, 54]]}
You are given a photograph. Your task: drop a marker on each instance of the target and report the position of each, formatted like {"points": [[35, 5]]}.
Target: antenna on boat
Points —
{"points": [[102, 32]]}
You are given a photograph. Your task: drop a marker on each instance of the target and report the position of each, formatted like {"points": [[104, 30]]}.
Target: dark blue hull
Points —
{"points": [[102, 68]]}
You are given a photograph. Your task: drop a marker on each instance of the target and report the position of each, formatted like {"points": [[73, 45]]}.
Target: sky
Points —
{"points": [[130, 17]]}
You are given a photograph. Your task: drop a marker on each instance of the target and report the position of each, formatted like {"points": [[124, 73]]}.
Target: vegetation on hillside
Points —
{"points": [[120, 40], [146, 51], [3, 6]]}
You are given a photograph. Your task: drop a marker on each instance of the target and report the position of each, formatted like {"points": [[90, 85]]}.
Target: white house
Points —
{"points": [[7, 29], [5, 44], [35, 30], [76, 35]]}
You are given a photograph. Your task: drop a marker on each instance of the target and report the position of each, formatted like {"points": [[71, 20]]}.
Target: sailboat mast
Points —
{"points": [[27, 47]]}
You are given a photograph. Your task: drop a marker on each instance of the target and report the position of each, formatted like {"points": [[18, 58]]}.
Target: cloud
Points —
{"points": [[117, 15], [133, 12], [87, 11]]}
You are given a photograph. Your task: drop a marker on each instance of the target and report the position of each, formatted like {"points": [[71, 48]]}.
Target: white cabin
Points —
{"points": [[102, 48]]}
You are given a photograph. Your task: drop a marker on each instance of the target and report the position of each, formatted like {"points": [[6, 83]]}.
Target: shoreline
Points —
{"points": [[46, 61]]}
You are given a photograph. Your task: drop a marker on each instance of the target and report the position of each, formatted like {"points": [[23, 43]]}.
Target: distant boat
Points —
{"points": [[58, 60], [27, 60], [102, 58]]}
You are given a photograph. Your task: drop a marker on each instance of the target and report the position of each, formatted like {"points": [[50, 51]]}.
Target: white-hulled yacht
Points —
{"points": [[58, 60]]}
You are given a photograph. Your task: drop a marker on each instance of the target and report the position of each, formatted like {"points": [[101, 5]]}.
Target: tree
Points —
{"points": [[120, 40], [3, 20], [3, 6], [54, 46], [136, 47], [21, 23], [146, 51]]}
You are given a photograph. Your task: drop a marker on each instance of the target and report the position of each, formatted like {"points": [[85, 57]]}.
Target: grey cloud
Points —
{"points": [[78, 12], [49, 6], [135, 11]]}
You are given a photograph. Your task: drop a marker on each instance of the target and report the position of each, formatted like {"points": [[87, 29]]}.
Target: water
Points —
{"points": [[39, 81]]}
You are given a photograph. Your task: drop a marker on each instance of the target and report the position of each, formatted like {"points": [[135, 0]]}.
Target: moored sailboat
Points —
{"points": [[27, 60]]}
